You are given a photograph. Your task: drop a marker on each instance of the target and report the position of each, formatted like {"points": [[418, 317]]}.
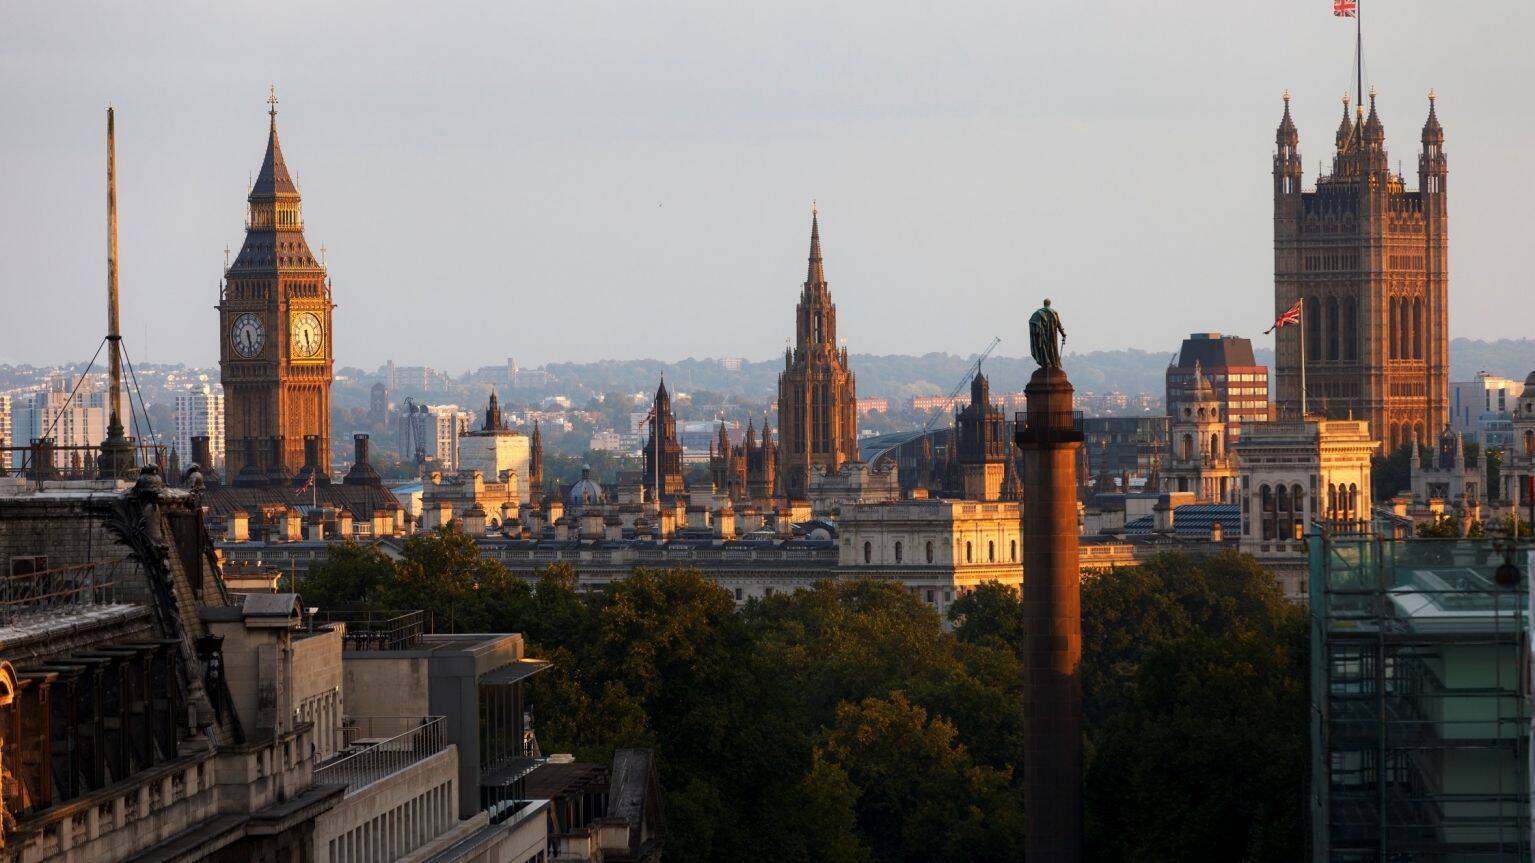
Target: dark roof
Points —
{"points": [[552, 781], [362, 501], [1193, 521], [1213, 350], [272, 179]]}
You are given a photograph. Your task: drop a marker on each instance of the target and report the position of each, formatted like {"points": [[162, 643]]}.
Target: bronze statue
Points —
{"points": [[1044, 327]]}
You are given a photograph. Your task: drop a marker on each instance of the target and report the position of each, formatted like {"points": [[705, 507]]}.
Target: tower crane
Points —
{"points": [[954, 393]]}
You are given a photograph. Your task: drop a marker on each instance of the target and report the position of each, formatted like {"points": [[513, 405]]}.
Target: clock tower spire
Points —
{"points": [[275, 359]]}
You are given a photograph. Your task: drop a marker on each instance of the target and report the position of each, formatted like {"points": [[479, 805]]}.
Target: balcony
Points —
{"points": [[378, 746]]}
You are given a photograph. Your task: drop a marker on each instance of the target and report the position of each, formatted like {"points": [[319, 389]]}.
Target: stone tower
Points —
{"points": [[535, 464], [1370, 257], [1201, 460], [984, 447], [664, 424], [817, 403], [275, 359]]}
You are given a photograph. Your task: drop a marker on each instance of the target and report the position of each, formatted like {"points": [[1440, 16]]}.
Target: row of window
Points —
{"points": [[900, 551]]}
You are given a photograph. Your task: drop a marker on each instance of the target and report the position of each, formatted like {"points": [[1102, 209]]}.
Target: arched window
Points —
{"points": [[1353, 502], [1391, 327], [1406, 344], [967, 552], [1313, 323], [1350, 329], [929, 551], [1013, 553], [1283, 495], [1334, 334], [1267, 505], [1417, 329], [991, 552], [1215, 446], [1298, 503], [1529, 443], [868, 552], [1188, 447], [897, 551]]}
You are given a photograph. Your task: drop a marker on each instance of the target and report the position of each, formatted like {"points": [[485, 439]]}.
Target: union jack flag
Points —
{"points": [[1292, 316], [1345, 8], [308, 484]]}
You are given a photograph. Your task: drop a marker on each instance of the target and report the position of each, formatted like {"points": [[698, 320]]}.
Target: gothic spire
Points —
{"points": [[1287, 135], [272, 180], [1433, 133], [1346, 127], [1374, 130], [815, 274]]}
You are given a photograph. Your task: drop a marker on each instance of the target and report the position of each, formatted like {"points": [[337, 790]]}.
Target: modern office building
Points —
{"points": [[1241, 385], [1482, 409]]}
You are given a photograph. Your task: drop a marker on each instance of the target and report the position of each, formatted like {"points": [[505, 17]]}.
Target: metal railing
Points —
{"points": [[370, 758], [378, 630], [56, 590]]}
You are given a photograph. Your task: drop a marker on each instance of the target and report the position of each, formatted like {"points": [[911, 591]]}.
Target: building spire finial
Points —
{"points": [[271, 101], [816, 273]]}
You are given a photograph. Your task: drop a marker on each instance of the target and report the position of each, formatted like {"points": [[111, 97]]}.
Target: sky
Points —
{"points": [[578, 181]]}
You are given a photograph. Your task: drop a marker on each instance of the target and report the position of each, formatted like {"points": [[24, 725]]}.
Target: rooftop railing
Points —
{"points": [[378, 630], [57, 590], [379, 746]]}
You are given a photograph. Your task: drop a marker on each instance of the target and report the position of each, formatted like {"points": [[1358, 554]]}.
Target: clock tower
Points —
{"points": [[275, 359]]}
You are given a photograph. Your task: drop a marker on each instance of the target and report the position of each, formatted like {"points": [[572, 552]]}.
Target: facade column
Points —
{"points": [[1052, 787]]}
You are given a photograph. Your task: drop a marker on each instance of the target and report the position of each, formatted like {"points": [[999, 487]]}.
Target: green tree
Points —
{"points": [[923, 798], [990, 613], [1198, 663], [1392, 473], [350, 575]]}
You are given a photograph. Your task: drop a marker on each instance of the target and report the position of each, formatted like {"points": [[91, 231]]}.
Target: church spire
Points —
{"points": [[815, 274]]}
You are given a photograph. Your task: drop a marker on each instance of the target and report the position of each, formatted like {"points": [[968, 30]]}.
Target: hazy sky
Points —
{"points": [[577, 180]]}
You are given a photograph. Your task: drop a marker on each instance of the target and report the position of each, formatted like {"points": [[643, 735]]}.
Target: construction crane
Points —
{"points": [[954, 393]]}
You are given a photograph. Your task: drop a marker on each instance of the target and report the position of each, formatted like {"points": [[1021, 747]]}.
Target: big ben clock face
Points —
{"points": [[306, 336], [247, 336]]}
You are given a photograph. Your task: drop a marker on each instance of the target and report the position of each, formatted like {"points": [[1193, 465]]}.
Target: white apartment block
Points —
{"points": [[199, 412]]}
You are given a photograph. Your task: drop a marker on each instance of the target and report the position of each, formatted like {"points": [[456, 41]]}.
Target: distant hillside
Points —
{"points": [[896, 377], [893, 376], [1511, 358]]}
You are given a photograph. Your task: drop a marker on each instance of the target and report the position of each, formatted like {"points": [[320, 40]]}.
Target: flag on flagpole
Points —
{"points": [[308, 484], [1291, 316], [1345, 8]]}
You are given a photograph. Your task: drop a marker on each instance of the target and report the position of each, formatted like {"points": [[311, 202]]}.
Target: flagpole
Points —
{"points": [[1359, 50]]}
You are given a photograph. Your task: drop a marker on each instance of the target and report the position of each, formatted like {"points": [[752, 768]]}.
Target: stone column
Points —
{"points": [[1052, 785]]}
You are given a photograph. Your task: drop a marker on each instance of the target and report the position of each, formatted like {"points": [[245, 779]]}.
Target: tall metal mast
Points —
{"points": [[116, 460]]}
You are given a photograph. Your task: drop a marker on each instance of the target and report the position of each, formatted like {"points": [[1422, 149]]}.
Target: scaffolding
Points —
{"points": [[1419, 699]]}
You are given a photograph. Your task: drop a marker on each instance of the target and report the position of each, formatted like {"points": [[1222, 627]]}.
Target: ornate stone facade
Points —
{"points": [[748, 471], [1370, 259], [1201, 461], [985, 449], [817, 410], [275, 358], [664, 423]]}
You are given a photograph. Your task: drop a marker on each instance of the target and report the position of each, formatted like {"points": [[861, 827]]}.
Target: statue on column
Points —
{"points": [[1044, 328]]}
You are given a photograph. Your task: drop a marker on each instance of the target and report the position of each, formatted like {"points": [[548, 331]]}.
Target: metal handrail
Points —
{"points": [[385, 757]]}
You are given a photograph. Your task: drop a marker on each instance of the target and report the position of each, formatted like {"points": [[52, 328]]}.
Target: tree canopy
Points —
{"points": [[844, 723]]}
